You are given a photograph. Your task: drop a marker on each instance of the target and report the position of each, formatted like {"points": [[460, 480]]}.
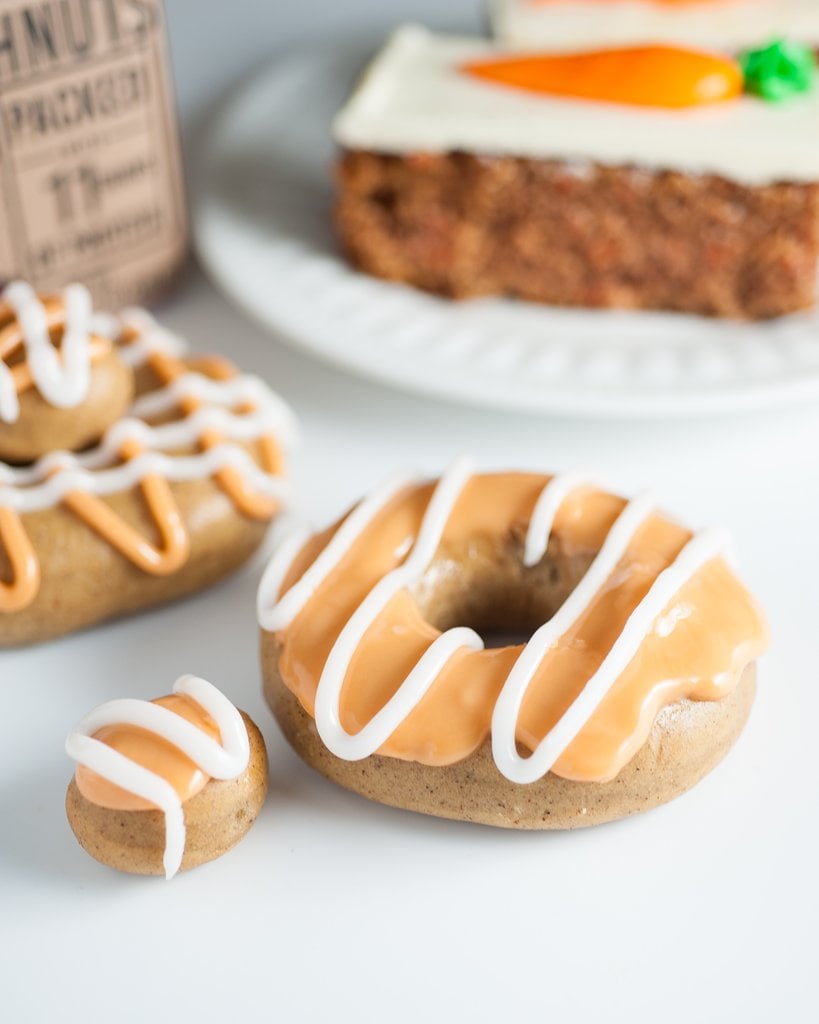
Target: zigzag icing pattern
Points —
{"points": [[50, 479], [277, 611], [61, 375]]}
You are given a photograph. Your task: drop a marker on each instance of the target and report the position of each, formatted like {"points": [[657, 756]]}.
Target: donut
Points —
{"points": [[634, 674], [165, 785], [173, 496]]}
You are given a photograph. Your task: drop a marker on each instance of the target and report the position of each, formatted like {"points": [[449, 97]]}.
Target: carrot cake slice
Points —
{"points": [[653, 177], [727, 24]]}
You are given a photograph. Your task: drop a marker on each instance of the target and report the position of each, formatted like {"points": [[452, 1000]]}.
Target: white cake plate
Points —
{"points": [[262, 219]]}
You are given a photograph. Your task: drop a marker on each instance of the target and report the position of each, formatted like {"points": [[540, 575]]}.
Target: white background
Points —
{"points": [[334, 909]]}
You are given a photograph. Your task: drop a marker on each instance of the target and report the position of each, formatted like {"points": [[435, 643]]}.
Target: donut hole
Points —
{"points": [[41, 427], [484, 585]]}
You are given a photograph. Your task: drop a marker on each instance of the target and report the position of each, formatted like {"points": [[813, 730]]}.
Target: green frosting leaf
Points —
{"points": [[778, 71]]}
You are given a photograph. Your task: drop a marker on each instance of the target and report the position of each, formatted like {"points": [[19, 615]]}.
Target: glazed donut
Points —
{"points": [[637, 676], [62, 382], [174, 496], [167, 784]]}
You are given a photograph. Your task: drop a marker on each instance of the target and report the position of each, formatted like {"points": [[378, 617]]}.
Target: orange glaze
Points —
{"points": [[98, 515], [160, 561], [719, 631], [25, 568], [153, 753], [647, 76]]}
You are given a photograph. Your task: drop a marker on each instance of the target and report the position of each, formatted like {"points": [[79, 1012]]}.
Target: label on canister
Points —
{"points": [[90, 165]]}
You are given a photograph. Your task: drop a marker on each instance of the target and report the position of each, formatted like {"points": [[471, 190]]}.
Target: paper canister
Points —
{"points": [[90, 165]]}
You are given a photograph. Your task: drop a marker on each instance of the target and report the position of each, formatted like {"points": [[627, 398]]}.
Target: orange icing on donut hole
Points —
{"points": [[12, 340], [646, 76], [173, 550], [151, 752], [717, 631]]}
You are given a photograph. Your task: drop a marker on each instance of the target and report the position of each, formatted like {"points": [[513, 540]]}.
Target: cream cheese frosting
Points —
{"points": [[414, 98], [729, 24]]}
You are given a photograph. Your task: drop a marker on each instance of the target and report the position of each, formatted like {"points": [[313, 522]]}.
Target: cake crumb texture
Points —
{"points": [[463, 225]]}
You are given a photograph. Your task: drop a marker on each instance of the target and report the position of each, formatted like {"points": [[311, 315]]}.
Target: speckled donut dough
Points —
{"points": [[687, 740], [85, 580], [641, 658]]}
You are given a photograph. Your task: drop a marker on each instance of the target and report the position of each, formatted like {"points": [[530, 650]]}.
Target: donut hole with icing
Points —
{"points": [[165, 785], [636, 680], [62, 381]]}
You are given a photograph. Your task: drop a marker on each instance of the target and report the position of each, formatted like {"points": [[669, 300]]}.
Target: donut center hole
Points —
{"points": [[487, 588], [499, 638]]}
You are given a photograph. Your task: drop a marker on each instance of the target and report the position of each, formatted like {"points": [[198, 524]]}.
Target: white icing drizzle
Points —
{"points": [[276, 614], [701, 549], [543, 515], [353, 747], [62, 376], [37, 487], [151, 337], [45, 483], [544, 639], [278, 611], [236, 391], [225, 760]]}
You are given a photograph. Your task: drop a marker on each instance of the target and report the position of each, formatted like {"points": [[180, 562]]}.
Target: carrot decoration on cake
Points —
{"points": [[671, 77], [646, 76]]}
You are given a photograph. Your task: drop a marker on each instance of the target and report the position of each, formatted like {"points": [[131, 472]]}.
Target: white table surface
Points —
{"points": [[336, 909]]}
